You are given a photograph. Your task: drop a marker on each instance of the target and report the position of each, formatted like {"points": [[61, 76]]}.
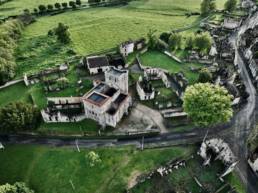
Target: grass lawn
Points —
{"points": [[87, 127], [98, 29], [17, 92], [48, 170], [176, 5], [160, 60], [17, 6], [38, 53]]}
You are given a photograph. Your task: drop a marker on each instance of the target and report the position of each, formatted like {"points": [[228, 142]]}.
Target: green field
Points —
{"points": [[39, 53], [18, 92], [86, 127], [15, 7], [98, 29], [48, 170], [160, 60]]}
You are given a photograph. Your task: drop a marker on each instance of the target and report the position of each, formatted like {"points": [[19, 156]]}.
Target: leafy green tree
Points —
{"points": [[58, 6], [72, 4], [18, 116], [190, 42], [42, 8], [165, 36], [205, 75], [6, 54], [64, 5], [230, 5], [78, 2], [152, 39], [175, 41], [207, 6], [93, 158], [207, 104], [92, 2], [62, 33], [18, 187], [7, 70], [50, 7], [36, 11], [161, 45], [203, 42]]}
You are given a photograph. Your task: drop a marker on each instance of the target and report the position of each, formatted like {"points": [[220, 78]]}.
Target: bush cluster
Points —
{"points": [[42, 9], [19, 116], [10, 31], [201, 42]]}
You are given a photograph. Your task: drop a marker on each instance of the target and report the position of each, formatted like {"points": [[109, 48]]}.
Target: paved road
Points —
{"points": [[246, 117]]}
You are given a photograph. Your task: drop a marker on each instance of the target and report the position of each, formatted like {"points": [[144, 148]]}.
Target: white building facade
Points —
{"points": [[108, 101], [126, 48]]}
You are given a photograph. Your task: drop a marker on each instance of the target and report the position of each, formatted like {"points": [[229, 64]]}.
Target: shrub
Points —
{"points": [[19, 116]]}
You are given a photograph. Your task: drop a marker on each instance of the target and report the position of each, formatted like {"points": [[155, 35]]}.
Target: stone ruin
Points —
{"points": [[221, 149]]}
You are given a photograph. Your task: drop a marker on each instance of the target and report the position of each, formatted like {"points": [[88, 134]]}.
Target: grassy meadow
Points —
{"points": [[15, 7], [160, 60], [97, 29], [49, 170]]}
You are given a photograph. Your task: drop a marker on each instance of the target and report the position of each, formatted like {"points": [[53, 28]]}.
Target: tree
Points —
{"points": [[58, 6], [78, 2], [35, 10], [6, 54], [50, 7], [152, 39], [93, 158], [161, 45], [230, 5], [190, 42], [92, 2], [18, 116], [64, 5], [205, 75], [207, 6], [62, 33], [72, 4], [42, 8], [18, 187], [7, 70], [203, 42], [165, 36], [207, 104], [175, 41]]}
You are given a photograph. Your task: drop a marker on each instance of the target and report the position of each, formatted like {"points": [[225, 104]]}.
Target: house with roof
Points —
{"points": [[108, 101], [130, 46], [126, 48], [102, 63], [97, 64]]}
